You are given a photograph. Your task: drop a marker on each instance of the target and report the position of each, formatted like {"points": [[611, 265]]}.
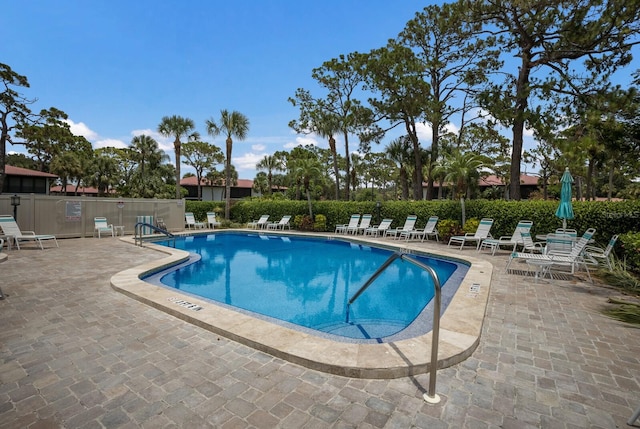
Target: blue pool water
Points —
{"points": [[307, 282]]}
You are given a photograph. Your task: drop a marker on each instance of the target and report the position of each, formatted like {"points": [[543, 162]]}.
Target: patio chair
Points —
{"points": [[212, 221], [512, 240], [191, 221], [365, 222], [422, 233], [528, 245], [11, 229], [282, 224], [100, 226], [260, 223], [378, 229], [409, 225], [574, 259], [597, 255], [354, 220], [482, 233]]}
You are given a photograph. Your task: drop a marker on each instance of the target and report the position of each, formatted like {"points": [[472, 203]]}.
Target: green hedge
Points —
{"points": [[608, 218]]}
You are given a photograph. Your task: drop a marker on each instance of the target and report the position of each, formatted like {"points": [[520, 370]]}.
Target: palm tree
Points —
{"points": [[270, 163], [148, 155], [399, 151], [177, 127], [461, 169], [231, 124], [307, 170], [327, 128]]}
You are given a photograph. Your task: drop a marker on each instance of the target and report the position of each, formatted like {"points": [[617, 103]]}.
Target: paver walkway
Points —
{"points": [[76, 354]]}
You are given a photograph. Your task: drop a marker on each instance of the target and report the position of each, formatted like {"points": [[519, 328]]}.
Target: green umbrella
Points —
{"points": [[565, 209]]}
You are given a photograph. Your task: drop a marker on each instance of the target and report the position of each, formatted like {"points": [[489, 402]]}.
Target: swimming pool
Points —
{"points": [[306, 283]]}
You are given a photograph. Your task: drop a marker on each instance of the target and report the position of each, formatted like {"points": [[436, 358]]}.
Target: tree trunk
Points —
{"points": [[347, 178], [227, 181], [610, 190], [176, 146], [521, 102]]}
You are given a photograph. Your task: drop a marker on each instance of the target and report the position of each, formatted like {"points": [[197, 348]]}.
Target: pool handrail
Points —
{"points": [[138, 228], [431, 396]]}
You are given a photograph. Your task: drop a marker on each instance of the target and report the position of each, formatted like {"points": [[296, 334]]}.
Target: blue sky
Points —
{"points": [[117, 67]]}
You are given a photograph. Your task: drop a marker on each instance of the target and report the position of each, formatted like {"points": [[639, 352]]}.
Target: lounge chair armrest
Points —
{"points": [[594, 249], [505, 237], [28, 233]]}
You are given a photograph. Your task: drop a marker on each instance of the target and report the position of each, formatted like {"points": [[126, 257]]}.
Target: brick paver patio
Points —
{"points": [[76, 354]]}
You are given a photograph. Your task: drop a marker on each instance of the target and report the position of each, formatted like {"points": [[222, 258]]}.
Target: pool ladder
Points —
{"points": [[431, 396], [139, 237]]}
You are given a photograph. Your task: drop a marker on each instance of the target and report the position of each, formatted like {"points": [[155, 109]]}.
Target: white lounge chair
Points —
{"points": [[409, 225], [528, 245], [191, 221], [365, 222], [422, 233], [512, 240], [100, 225], [260, 223], [354, 220], [378, 230], [482, 233], [282, 224], [597, 255], [212, 221], [574, 259], [11, 229]]}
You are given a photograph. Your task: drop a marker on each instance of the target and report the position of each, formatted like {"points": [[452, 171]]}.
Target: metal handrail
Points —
{"points": [[431, 395], [138, 232]]}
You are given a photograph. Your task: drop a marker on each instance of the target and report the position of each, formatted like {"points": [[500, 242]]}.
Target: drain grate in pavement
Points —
{"points": [[185, 304]]}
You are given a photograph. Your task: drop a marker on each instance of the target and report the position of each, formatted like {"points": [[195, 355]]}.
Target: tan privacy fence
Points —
{"points": [[68, 217]]}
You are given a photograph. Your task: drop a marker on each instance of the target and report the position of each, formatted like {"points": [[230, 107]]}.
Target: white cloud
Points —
{"points": [[247, 162], [302, 141], [258, 147], [165, 143], [81, 129], [110, 143]]}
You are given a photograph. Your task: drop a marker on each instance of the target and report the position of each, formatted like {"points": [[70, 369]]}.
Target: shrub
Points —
{"points": [[321, 223], [303, 223], [630, 249], [447, 228], [471, 225]]}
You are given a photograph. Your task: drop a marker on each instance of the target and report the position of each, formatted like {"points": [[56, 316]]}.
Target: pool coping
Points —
{"points": [[460, 325]]}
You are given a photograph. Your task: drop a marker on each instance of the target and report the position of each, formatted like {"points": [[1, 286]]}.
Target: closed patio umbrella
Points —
{"points": [[565, 209]]}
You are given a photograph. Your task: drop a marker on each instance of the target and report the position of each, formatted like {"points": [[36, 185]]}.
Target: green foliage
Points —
{"points": [[624, 311], [470, 226], [447, 228], [320, 223], [303, 223], [630, 248]]}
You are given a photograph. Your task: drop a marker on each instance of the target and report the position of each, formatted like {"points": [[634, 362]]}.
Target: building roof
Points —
{"points": [[193, 181], [10, 170], [71, 188], [493, 180]]}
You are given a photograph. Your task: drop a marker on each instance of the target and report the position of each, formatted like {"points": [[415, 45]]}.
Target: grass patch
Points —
{"points": [[629, 284]]}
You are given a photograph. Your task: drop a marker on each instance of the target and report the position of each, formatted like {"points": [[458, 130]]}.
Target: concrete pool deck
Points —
{"points": [[460, 326], [76, 354]]}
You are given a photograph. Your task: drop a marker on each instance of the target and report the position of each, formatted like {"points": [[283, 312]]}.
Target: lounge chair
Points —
{"points": [[378, 230], [282, 224], [482, 233], [409, 225], [100, 226], [365, 222], [512, 240], [191, 221], [528, 245], [574, 259], [354, 220], [11, 229], [212, 221], [260, 223], [422, 233], [597, 255]]}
